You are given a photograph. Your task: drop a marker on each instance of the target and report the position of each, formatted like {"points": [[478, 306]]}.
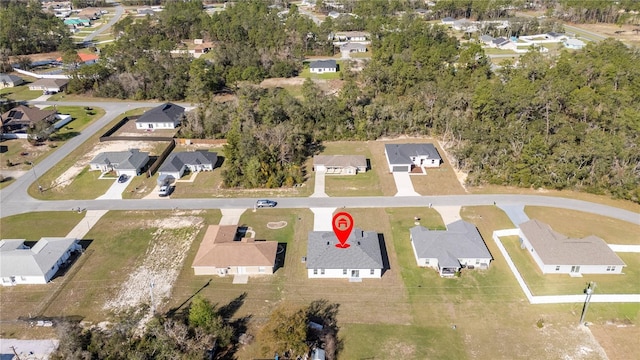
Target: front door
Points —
{"points": [[575, 269], [241, 270], [355, 273]]}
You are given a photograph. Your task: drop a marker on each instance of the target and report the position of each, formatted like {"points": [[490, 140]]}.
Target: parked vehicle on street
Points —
{"points": [[266, 203], [123, 178]]}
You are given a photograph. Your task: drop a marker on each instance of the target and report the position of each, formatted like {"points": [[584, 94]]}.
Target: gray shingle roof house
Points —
{"points": [[323, 66], [449, 250], [177, 163], [404, 157], [362, 259], [20, 264], [51, 85], [349, 48], [8, 80], [122, 162], [165, 116], [340, 164], [556, 253], [487, 39]]}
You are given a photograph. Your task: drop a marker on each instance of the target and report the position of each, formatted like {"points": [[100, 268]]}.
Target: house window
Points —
{"points": [[344, 271], [315, 271], [426, 262], [372, 271], [261, 269], [611, 268], [477, 261], [558, 268], [321, 271]]}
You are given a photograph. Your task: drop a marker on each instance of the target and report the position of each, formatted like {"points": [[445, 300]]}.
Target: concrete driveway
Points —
{"points": [[318, 190], [322, 219], [116, 190], [404, 184]]}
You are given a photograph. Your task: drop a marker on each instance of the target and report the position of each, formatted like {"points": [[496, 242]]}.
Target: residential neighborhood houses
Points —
{"points": [[323, 66], [129, 162], [407, 157], [165, 116], [340, 164], [177, 163]]}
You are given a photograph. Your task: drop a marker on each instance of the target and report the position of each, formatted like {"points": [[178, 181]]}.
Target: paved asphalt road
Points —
{"points": [[113, 20], [15, 200]]}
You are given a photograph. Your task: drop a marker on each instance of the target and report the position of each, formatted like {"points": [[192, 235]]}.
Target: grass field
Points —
{"points": [[362, 184], [20, 93], [33, 226]]}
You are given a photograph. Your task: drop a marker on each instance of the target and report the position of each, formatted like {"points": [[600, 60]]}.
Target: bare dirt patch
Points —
{"points": [[624, 33], [67, 177], [614, 338], [276, 225], [161, 264], [280, 82]]}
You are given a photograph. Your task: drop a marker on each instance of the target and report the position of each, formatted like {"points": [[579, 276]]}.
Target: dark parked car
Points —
{"points": [[266, 203], [123, 178]]}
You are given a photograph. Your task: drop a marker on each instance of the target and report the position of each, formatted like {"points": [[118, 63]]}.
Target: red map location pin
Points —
{"points": [[342, 226]]}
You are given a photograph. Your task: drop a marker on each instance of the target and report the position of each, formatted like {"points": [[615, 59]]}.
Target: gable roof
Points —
{"points": [[323, 64], [460, 240], [486, 38], [58, 83], [19, 260], [175, 161], [10, 79], [363, 253], [353, 46], [84, 57], [554, 248], [219, 249], [500, 41], [340, 160], [402, 153], [122, 160], [167, 112], [25, 115]]}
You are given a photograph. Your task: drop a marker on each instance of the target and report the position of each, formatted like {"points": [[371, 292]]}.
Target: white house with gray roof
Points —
{"points": [[362, 259], [129, 162], [447, 251], [165, 116], [9, 80], [340, 164], [555, 253], [20, 264], [404, 157], [323, 66], [195, 161]]}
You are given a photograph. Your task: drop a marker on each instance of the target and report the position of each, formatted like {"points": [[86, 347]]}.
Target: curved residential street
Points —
{"points": [[119, 11]]}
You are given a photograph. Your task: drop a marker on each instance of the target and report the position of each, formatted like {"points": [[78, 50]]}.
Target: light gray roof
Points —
{"points": [[486, 38], [122, 160], [460, 240], [340, 160], [554, 248], [402, 153], [10, 79], [448, 19], [500, 41], [323, 64], [167, 112], [351, 46], [19, 260], [175, 161], [363, 252]]}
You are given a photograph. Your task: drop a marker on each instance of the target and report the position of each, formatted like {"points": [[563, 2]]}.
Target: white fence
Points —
{"points": [[41, 76]]}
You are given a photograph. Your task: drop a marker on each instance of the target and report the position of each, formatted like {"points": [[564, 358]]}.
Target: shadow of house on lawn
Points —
{"points": [[280, 256], [174, 310], [68, 265], [385, 256]]}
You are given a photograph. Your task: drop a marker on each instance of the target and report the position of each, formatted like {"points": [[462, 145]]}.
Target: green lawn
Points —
{"points": [[306, 73], [81, 116], [86, 185], [35, 225], [20, 93]]}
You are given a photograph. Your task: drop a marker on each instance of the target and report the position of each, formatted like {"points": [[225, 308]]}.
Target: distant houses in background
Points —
{"points": [[129, 162], [323, 66], [555, 253], [447, 251], [177, 163], [9, 80], [406, 157], [362, 259], [223, 251], [165, 116], [574, 44], [20, 264]]}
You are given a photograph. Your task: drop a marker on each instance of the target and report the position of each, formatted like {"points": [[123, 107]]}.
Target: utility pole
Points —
{"points": [[153, 308], [36, 176], [589, 291]]}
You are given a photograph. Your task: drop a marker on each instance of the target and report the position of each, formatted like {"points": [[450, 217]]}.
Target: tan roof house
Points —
{"points": [[222, 252], [50, 85], [556, 253], [340, 164]]}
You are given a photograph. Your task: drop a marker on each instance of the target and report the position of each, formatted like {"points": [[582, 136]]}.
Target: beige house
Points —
{"points": [[340, 164], [223, 253]]}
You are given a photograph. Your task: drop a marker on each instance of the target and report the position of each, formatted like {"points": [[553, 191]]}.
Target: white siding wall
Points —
{"points": [[322, 70], [584, 269], [6, 281], [339, 274], [127, 172], [233, 270], [474, 261]]}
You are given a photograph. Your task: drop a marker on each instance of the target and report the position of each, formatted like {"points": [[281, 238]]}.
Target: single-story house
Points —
{"points": [[77, 21], [404, 157], [84, 58], [323, 66], [340, 164], [448, 21], [555, 35], [165, 116], [447, 251], [555, 253], [487, 39], [21, 118], [50, 85], [145, 12], [353, 48], [333, 14], [195, 161], [503, 43], [465, 25], [223, 253], [351, 36], [574, 44], [8, 80], [362, 259], [129, 162], [20, 264]]}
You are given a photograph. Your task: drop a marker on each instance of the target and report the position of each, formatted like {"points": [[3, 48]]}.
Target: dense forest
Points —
{"points": [[26, 29]]}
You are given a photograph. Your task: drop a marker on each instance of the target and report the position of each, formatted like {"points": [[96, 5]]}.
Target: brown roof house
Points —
{"points": [[21, 118], [340, 164], [556, 253], [223, 252], [49, 85]]}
